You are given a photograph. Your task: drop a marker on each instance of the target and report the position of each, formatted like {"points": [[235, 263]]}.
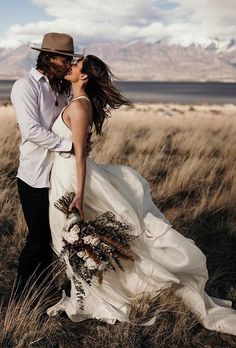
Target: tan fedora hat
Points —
{"points": [[58, 43]]}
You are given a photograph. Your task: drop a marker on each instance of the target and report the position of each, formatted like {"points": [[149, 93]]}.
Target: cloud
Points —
{"points": [[111, 20], [202, 19]]}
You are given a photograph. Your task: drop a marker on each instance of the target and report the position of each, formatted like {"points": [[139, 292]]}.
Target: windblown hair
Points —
{"points": [[102, 91], [57, 83]]}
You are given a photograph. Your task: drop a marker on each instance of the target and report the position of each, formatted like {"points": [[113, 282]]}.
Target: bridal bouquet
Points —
{"points": [[94, 246]]}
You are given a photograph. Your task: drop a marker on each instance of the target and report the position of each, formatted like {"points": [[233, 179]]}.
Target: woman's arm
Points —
{"points": [[80, 117]]}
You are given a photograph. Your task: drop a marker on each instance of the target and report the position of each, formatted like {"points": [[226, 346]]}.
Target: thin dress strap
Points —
{"points": [[81, 96], [65, 107]]}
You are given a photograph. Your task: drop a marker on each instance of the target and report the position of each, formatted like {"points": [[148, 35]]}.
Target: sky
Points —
{"points": [[96, 21]]}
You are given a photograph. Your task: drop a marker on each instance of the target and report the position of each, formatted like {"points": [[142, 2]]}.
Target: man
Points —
{"points": [[38, 98]]}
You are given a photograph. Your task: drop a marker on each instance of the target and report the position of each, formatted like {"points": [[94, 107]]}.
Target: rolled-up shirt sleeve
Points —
{"points": [[25, 101]]}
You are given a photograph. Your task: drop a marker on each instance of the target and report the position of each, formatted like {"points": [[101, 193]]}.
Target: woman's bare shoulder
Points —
{"points": [[80, 108]]}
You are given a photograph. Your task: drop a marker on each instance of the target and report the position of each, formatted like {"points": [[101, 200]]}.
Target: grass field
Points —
{"points": [[188, 154]]}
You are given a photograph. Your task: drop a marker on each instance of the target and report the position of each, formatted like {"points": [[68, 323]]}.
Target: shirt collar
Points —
{"points": [[37, 75]]}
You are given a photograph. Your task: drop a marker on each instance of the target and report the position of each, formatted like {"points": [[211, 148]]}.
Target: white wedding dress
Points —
{"points": [[165, 256]]}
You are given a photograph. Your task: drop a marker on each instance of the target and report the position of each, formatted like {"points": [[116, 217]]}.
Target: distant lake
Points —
{"points": [[165, 92]]}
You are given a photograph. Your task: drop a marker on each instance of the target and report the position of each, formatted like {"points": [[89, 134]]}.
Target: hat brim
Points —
{"points": [[59, 52]]}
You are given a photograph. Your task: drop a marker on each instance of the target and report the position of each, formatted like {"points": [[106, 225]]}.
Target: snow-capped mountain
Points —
{"points": [[165, 60]]}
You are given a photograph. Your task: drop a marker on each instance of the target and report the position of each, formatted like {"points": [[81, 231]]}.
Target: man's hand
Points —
{"points": [[88, 145]]}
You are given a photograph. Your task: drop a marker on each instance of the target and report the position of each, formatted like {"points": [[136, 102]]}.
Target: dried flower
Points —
{"points": [[80, 254], [91, 264], [88, 239], [95, 246], [95, 241], [70, 237], [75, 229]]}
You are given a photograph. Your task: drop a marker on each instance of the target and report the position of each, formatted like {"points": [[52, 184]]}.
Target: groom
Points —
{"points": [[38, 97]]}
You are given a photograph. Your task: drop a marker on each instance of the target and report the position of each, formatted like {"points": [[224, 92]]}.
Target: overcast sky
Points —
{"points": [[187, 21]]}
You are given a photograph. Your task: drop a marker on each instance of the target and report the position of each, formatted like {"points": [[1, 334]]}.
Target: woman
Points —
{"points": [[165, 256]]}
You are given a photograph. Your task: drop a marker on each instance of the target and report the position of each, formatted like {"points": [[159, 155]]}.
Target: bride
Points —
{"points": [[165, 256]]}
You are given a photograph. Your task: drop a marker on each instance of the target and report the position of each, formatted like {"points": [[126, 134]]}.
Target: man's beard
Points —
{"points": [[58, 71], [57, 81]]}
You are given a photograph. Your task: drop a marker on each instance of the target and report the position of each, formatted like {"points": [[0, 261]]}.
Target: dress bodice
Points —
{"points": [[59, 127]]}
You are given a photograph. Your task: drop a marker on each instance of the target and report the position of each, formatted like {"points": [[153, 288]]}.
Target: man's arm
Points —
{"points": [[25, 101]]}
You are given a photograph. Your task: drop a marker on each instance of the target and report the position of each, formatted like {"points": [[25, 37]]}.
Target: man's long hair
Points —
{"points": [[102, 91], [57, 82]]}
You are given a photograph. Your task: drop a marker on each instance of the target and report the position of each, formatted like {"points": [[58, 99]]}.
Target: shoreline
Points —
{"points": [[10, 78], [7, 102]]}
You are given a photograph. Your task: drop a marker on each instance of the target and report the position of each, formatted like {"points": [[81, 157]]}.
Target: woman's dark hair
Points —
{"points": [[57, 83], [102, 91]]}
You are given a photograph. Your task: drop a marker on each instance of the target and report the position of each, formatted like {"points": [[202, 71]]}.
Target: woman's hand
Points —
{"points": [[77, 204]]}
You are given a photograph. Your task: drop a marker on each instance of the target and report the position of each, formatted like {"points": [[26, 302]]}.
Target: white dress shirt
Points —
{"points": [[34, 103]]}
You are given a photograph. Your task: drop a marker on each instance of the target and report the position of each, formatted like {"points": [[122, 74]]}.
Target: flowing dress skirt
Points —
{"points": [[165, 256]]}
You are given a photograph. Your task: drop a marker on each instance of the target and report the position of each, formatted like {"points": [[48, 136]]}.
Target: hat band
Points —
{"points": [[56, 49]]}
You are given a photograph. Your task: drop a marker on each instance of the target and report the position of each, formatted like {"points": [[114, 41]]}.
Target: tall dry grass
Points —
{"points": [[22, 324], [188, 155]]}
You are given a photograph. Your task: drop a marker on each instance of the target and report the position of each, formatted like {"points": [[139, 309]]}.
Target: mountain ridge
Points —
{"points": [[163, 60]]}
